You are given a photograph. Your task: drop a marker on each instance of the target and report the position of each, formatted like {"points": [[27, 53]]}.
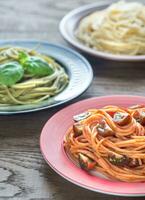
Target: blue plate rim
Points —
{"points": [[56, 46]]}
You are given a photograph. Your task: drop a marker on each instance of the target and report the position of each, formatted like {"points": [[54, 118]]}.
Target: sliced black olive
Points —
{"points": [[85, 162], [104, 130], [122, 119], [78, 129], [139, 116], [119, 161], [81, 116]]}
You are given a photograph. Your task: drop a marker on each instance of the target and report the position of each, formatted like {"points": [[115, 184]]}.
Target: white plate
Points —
{"points": [[70, 22]]}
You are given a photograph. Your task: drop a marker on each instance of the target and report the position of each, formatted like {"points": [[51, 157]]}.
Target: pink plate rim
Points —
{"points": [[59, 162]]}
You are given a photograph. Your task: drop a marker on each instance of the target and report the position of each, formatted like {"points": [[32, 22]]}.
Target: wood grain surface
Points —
{"points": [[23, 172]]}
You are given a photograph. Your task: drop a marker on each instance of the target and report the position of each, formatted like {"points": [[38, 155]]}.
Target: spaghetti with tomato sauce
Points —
{"points": [[110, 140]]}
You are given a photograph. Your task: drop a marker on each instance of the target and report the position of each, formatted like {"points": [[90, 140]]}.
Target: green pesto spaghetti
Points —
{"points": [[28, 77]]}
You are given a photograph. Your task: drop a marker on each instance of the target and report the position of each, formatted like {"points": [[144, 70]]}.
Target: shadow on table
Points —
{"points": [[64, 190], [115, 69]]}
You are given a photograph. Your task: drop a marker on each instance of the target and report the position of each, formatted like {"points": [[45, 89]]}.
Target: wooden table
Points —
{"points": [[23, 172]]}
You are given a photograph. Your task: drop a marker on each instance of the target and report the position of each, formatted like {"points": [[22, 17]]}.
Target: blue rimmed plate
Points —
{"points": [[76, 66]]}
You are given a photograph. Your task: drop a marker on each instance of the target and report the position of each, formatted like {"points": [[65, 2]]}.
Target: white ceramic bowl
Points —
{"points": [[70, 22]]}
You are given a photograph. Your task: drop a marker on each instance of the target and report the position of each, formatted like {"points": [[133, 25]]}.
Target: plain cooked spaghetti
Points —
{"points": [[31, 89], [119, 29], [111, 141]]}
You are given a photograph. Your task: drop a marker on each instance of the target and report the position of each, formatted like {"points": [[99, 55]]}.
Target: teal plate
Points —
{"points": [[76, 66]]}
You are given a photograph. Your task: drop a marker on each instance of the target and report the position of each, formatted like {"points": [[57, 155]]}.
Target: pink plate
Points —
{"points": [[52, 149]]}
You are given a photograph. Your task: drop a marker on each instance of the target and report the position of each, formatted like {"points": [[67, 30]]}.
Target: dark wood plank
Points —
{"points": [[23, 172]]}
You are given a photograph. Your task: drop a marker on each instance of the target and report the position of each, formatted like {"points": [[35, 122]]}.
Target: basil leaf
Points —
{"points": [[10, 73], [23, 57], [35, 66]]}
